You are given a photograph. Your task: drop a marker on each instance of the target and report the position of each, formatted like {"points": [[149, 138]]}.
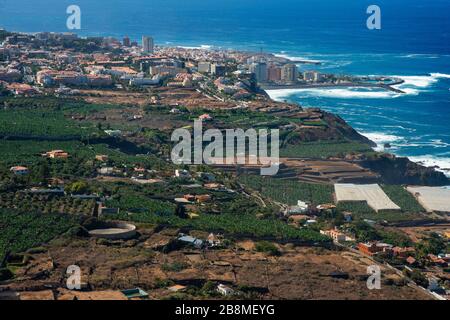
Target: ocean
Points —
{"points": [[413, 44]]}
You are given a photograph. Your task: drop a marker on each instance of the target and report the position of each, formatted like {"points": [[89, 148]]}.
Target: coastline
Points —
{"points": [[441, 164], [282, 92]]}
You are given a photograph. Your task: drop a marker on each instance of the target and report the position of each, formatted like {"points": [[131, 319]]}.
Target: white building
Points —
{"points": [[289, 73], [204, 67], [182, 174], [336, 235], [260, 71], [300, 208], [224, 290], [113, 133], [145, 81], [147, 44], [313, 76]]}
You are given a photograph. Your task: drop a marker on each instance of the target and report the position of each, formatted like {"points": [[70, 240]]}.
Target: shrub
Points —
{"points": [[174, 267], [267, 247]]}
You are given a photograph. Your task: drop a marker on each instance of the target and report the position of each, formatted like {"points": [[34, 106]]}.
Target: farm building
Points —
{"points": [[372, 248], [56, 154], [101, 157], [197, 243], [433, 199], [224, 290], [19, 170], [371, 193], [301, 208]]}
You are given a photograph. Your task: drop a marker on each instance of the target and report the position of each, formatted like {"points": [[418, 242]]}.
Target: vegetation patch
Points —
{"points": [[362, 210], [289, 191], [41, 124], [46, 203], [403, 198], [267, 247], [233, 224], [21, 231], [324, 149]]}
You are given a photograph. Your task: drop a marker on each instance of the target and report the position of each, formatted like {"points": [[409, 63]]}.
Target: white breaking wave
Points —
{"points": [[441, 164], [346, 93], [285, 56], [413, 85], [202, 47], [440, 75], [417, 81], [420, 55], [381, 139]]}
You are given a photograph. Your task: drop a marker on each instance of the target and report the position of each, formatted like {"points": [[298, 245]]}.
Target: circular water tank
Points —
{"points": [[114, 231]]}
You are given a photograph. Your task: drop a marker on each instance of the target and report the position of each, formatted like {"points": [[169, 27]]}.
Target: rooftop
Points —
{"points": [[371, 193], [432, 198]]}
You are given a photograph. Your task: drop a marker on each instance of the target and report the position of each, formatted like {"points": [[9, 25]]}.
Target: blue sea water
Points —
{"points": [[414, 44]]}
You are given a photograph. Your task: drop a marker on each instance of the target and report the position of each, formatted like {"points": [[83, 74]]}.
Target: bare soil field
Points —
{"points": [[417, 233], [299, 273], [169, 96]]}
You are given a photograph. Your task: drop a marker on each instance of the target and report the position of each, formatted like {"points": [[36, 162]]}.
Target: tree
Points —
{"points": [[267, 247], [4, 91], [433, 245], [364, 232], [41, 173], [419, 278], [181, 211], [79, 187]]}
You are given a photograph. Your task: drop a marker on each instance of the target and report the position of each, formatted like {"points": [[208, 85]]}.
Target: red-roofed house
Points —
{"points": [[403, 252], [411, 261], [205, 117], [56, 154], [373, 248], [19, 170], [437, 261]]}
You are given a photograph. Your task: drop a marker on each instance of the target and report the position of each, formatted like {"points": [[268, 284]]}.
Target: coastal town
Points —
{"points": [[86, 180]]}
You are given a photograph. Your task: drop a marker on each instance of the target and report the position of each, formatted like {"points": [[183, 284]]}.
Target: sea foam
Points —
{"points": [[413, 85], [381, 139], [440, 75], [344, 93], [286, 56], [441, 164]]}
